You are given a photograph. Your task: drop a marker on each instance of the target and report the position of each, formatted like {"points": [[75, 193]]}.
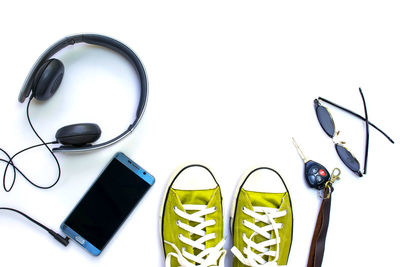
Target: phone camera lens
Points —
{"points": [[144, 173]]}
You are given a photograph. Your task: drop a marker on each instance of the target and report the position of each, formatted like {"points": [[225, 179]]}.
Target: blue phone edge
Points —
{"points": [[121, 157], [80, 240], [147, 177]]}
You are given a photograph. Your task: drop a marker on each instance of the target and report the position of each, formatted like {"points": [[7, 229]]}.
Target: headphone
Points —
{"points": [[45, 78], [42, 83]]}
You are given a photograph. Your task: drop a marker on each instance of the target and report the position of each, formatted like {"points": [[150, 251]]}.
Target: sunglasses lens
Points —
{"points": [[325, 120], [348, 159]]}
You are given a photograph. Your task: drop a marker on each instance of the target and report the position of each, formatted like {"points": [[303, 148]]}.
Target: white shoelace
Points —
{"points": [[267, 216], [208, 257]]}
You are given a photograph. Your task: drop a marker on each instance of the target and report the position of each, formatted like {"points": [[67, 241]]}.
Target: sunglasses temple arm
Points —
{"points": [[367, 132], [357, 115]]}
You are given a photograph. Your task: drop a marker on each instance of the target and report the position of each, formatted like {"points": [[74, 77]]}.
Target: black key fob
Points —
{"points": [[316, 174]]}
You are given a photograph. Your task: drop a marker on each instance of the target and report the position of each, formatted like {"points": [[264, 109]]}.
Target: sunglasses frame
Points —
{"points": [[334, 135], [367, 123]]}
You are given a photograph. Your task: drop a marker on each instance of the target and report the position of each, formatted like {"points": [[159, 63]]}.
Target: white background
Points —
{"points": [[230, 83]]}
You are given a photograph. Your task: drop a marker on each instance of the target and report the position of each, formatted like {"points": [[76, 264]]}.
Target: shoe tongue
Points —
{"points": [[195, 197], [274, 200]]}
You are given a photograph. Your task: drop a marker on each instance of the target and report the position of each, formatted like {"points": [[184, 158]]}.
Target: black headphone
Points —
{"points": [[43, 82], [46, 75]]}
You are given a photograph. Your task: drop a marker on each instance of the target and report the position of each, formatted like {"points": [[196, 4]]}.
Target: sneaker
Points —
{"points": [[191, 224], [261, 220]]}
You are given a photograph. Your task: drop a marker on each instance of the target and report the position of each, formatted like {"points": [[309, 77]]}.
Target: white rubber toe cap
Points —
{"points": [[264, 180], [195, 177]]}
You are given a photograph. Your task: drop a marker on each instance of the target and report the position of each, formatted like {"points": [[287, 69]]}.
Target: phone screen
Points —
{"points": [[108, 202]]}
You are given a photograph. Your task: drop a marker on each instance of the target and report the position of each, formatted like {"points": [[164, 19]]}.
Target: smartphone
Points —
{"points": [[107, 204]]}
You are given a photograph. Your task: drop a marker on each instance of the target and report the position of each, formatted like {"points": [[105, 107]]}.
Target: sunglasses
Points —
{"points": [[328, 125]]}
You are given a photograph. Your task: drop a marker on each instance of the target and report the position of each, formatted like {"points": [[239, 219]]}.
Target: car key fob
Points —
{"points": [[316, 175]]}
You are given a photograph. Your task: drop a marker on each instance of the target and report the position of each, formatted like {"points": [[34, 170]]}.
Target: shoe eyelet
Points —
{"points": [[243, 222], [178, 222], [180, 236], [243, 208], [215, 209], [243, 235]]}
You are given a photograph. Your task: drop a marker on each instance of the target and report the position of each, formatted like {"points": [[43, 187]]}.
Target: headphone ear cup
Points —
{"points": [[48, 79], [78, 134]]}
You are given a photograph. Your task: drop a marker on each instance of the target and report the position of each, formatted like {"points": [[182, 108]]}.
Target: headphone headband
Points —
{"points": [[103, 41]]}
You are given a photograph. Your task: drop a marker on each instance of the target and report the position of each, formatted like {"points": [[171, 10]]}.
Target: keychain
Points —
{"points": [[318, 177], [328, 185]]}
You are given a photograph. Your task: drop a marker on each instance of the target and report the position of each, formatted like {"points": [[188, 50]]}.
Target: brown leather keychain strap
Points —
{"points": [[321, 228]]}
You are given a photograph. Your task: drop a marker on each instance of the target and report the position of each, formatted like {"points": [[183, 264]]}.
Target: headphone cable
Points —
{"points": [[58, 237], [16, 169]]}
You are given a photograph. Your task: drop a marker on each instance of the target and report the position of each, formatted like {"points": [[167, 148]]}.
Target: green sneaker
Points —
{"points": [[191, 224], [261, 220]]}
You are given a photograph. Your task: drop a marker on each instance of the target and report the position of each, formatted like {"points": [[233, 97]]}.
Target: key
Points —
{"points": [[316, 174]]}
